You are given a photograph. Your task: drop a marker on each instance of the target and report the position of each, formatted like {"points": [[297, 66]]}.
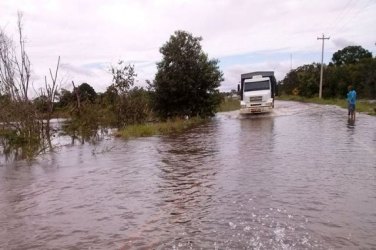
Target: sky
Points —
{"points": [[244, 35]]}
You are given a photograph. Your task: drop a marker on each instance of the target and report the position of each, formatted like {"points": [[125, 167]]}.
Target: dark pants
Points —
{"points": [[351, 108]]}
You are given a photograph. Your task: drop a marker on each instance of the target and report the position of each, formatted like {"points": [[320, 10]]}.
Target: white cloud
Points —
{"points": [[102, 32]]}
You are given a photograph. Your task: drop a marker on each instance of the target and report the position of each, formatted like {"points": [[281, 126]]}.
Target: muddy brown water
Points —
{"points": [[302, 177]]}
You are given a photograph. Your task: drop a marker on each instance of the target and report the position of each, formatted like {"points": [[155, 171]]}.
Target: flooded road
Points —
{"points": [[300, 178]]}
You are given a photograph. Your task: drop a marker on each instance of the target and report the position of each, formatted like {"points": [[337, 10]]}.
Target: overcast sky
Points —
{"points": [[245, 35]]}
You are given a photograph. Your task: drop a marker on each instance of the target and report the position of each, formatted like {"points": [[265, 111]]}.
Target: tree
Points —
{"points": [[123, 77], [40, 103], [128, 104], [119, 94], [15, 66], [21, 116], [350, 55], [65, 98], [111, 95], [363, 77], [186, 81], [135, 106], [289, 82], [87, 92], [352, 65], [308, 76], [303, 80]]}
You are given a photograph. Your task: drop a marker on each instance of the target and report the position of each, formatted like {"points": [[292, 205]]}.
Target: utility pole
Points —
{"points": [[323, 38]]}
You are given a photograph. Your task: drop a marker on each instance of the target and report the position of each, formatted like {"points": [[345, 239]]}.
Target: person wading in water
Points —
{"points": [[351, 101]]}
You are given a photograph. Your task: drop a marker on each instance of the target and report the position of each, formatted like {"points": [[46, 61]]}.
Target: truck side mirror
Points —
{"points": [[239, 89]]}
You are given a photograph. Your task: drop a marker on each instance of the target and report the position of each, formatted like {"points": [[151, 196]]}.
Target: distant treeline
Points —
{"points": [[352, 65]]}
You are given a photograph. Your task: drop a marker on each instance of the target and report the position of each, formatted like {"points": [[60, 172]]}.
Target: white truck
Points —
{"points": [[257, 91]]}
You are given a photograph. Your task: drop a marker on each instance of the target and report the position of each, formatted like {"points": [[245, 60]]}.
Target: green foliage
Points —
{"points": [[308, 77], [68, 100], [350, 55], [130, 105], [123, 77], [289, 83], [362, 75], [133, 108], [110, 96], [305, 79], [186, 82], [41, 103], [5, 111], [65, 98], [86, 92], [18, 146], [160, 128], [115, 107], [229, 104]]}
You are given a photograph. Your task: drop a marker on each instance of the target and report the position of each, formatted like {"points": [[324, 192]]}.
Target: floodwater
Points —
{"points": [[302, 177]]}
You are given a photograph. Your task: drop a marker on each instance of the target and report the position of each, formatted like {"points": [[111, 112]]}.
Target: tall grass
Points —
{"points": [[363, 106], [159, 128], [229, 104]]}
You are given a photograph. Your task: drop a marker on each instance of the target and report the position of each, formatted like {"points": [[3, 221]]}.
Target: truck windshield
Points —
{"points": [[252, 86]]}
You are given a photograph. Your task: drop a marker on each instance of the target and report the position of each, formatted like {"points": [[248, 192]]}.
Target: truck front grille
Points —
{"points": [[255, 98]]}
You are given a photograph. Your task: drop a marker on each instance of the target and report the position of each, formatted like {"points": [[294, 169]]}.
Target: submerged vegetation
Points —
{"points": [[186, 85], [24, 129], [159, 128]]}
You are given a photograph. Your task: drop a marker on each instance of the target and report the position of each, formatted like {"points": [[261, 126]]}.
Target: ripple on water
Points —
{"points": [[299, 178]]}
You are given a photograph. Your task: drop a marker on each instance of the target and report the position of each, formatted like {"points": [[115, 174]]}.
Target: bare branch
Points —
{"points": [[51, 89]]}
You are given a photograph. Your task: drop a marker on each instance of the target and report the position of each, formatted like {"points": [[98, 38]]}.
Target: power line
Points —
{"points": [[323, 38], [340, 16], [356, 9]]}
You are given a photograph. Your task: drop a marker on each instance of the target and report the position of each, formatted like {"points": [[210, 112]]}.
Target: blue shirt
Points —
{"points": [[351, 97]]}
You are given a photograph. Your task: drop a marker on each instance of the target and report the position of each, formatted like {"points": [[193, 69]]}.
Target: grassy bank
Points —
{"points": [[363, 106], [159, 128], [229, 104]]}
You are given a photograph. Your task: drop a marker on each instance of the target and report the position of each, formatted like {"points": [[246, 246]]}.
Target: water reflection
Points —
{"points": [[300, 180], [257, 134], [62, 132], [83, 134], [350, 123], [187, 174], [255, 145], [15, 149]]}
